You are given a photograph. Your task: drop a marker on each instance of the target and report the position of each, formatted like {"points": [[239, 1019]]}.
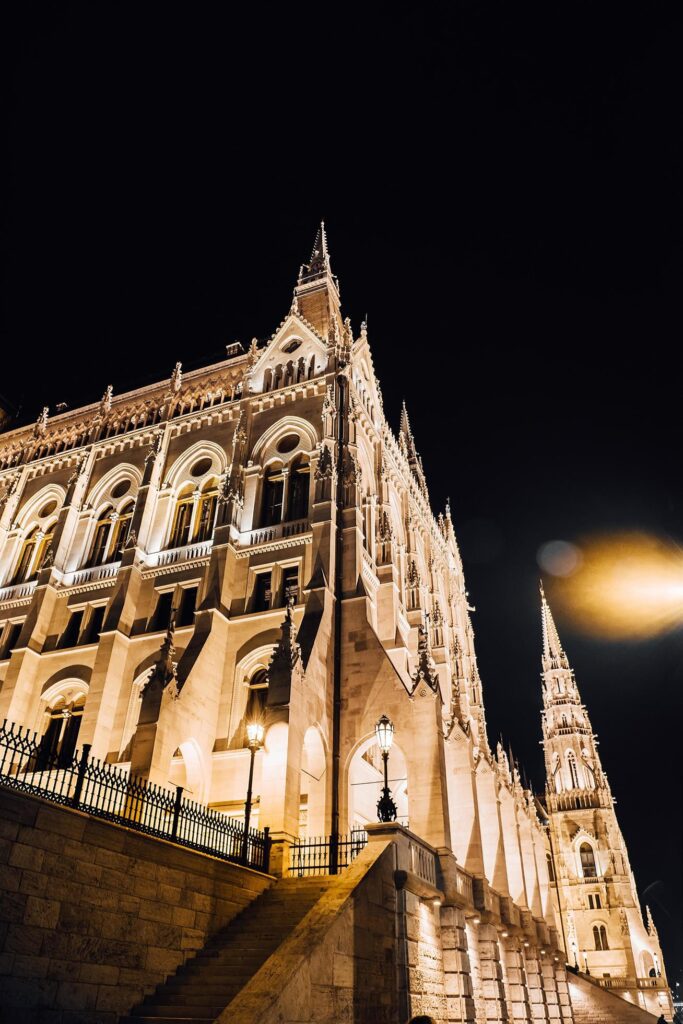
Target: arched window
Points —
{"points": [[573, 771], [23, 568], [33, 554], [206, 512], [600, 937], [182, 519], [273, 490], [98, 551], [257, 697], [587, 861], [565, 723], [551, 868], [299, 477], [58, 743], [121, 530]]}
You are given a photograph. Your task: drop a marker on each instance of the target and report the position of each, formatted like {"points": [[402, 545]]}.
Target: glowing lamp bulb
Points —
{"points": [[255, 733], [384, 730]]}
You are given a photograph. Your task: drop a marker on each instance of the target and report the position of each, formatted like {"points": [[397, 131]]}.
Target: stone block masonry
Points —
{"points": [[93, 916]]}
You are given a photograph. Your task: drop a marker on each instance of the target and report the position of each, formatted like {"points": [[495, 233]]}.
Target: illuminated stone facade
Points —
{"points": [[248, 540]]}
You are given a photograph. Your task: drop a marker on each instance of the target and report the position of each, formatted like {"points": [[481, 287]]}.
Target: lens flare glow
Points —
{"points": [[626, 586]]}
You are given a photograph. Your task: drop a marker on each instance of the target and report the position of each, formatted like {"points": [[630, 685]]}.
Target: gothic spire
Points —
{"points": [[553, 655], [404, 427], [316, 295]]}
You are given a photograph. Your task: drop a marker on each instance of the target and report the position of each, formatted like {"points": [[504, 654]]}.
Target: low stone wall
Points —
{"points": [[93, 916]]}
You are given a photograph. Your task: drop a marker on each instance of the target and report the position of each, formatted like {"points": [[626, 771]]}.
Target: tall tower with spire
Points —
{"points": [[594, 888]]}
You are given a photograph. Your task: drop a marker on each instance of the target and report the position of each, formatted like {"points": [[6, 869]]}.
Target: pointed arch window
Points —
{"points": [[573, 770], [98, 550], [257, 697], [34, 551], [299, 482], [600, 937], [121, 530], [206, 510], [28, 548], [182, 518], [551, 868], [58, 744], [587, 856], [273, 493]]}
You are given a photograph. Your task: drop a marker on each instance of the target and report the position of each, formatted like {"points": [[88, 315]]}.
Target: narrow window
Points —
{"points": [[298, 491], [100, 542], [121, 530], [26, 557], [162, 612], [188, 602], [598, 904], [573, 773], [290, 584], [262, 592], [591, 905], [206, 514], [255, 710], [551, 868], [58, 744], [95, 623], [180, 531], [587, 860], [73, 629], [11, 639], [273, 488]]}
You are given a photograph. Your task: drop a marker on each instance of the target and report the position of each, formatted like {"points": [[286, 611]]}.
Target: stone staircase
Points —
{"points": [[201, 989], [595, 1005]]}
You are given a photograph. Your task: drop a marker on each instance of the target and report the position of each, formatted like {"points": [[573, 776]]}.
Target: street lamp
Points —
{"points": [[255, 733], [384, 730]]}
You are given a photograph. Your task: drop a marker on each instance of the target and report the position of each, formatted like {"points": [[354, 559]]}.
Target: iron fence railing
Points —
{"points": [[76, 780], [316, 855]]}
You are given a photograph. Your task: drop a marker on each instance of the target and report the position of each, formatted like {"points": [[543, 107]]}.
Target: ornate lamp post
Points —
{"points": [[384, 730], [255, 733]]}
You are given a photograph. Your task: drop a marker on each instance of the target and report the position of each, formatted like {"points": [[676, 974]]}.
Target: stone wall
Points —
{"points": [[93, 916]]}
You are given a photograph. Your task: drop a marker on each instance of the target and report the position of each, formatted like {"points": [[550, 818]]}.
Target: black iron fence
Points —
{"points": [[316, 855], [109, 792]]}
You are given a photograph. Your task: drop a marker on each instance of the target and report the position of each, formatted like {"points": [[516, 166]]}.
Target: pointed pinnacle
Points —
{"points": [[320, 244], [552, 648], [404, 427]]}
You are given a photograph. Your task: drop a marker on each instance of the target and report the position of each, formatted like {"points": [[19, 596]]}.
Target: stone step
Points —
{"points": [[183, 1012], [131, 1019]]}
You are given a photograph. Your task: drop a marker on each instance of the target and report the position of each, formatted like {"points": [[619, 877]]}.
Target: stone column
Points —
{"points": [[456, 967]]}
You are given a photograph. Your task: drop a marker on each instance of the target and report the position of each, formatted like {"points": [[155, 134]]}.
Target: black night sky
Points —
{"points": [[501, 188]]}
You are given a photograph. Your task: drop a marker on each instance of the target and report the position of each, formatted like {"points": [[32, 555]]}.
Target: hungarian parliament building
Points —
{"points": [[252, 541]]}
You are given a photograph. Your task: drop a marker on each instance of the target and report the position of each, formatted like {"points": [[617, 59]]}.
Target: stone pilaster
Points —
{"points": [[550, 988], [490, 968], [456, 968], [534, 978], [562, 986], [518, 994]]}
